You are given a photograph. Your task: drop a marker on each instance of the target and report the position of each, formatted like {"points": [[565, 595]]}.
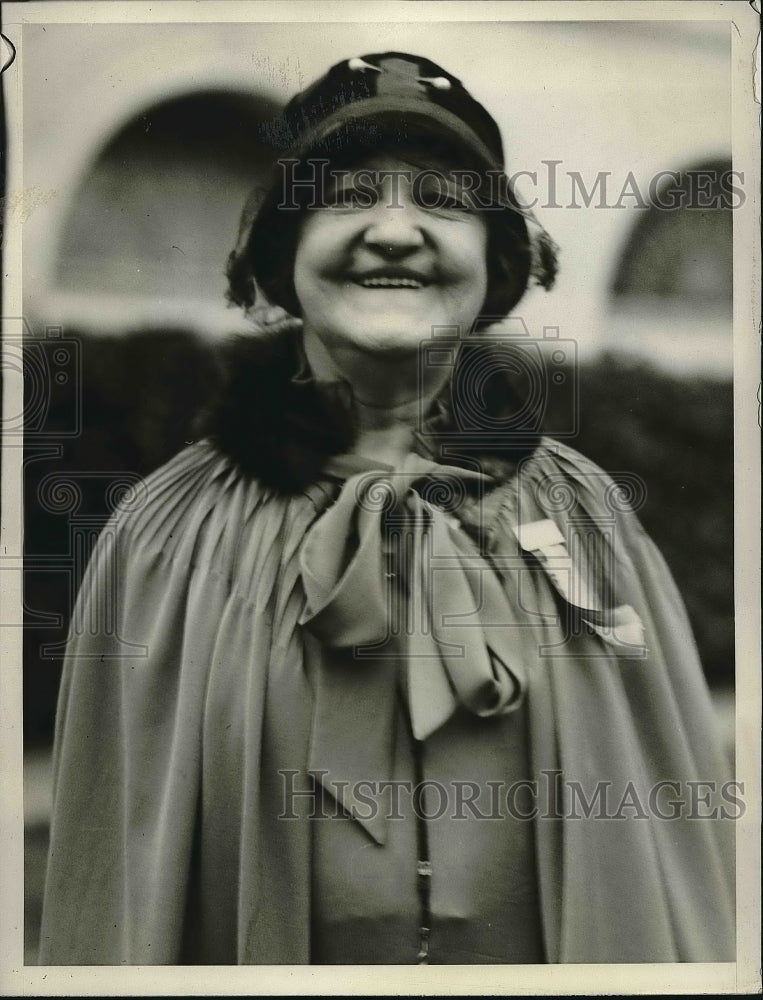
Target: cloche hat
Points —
{"points": [[397, 98]]}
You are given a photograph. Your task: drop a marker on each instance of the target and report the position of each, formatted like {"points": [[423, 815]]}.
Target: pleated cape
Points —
{"points": [[185, 692]]}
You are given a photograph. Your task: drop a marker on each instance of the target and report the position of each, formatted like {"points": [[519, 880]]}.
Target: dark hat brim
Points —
{"points": [[431, 116]]}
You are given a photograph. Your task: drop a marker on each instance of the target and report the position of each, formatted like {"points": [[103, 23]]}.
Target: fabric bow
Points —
{"points": [[397, 592]]}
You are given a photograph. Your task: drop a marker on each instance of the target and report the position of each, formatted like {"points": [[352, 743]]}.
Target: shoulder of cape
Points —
{"points": [[199, 487], [203, 492], [569, 480]]}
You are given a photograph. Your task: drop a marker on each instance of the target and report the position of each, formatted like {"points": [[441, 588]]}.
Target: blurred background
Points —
{"points": [[141, 144]]}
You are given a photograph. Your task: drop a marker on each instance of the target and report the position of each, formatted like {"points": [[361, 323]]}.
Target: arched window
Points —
{"points": [[157, 213], [671, 293], [681, 247]]}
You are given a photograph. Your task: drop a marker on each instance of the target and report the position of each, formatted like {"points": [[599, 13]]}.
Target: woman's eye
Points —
{"points": [[454, 203], [439, 199], [352, 198]]}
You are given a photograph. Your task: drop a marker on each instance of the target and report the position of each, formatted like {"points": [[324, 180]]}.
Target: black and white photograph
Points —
{"points": [[380, 535]]}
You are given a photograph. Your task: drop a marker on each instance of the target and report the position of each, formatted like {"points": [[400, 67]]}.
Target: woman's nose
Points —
{"points": [[394, 230]]}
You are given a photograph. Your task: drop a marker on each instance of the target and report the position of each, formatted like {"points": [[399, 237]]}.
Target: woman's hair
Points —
{"points": [[264, 258]]}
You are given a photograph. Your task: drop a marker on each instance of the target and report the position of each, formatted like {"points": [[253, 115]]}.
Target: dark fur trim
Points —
{"points": [[281, 429], [277, 429]]}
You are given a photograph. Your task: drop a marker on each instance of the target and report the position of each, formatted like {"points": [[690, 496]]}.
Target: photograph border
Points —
{"points": [[742, 976]]}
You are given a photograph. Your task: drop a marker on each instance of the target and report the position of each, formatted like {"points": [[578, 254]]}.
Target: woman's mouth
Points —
{"points": [[391, 283]]}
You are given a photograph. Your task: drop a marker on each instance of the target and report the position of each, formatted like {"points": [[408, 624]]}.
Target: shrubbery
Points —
{"points": [[677, 434]]}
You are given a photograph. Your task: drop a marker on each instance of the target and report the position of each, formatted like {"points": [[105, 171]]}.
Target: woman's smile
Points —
{"points": [[391, 279]]}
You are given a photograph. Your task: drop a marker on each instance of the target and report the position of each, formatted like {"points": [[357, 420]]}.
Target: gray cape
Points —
{"points": [[185, 691]]}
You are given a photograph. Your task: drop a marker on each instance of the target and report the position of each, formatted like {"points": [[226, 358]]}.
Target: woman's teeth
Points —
{"points": [[391, 283]]}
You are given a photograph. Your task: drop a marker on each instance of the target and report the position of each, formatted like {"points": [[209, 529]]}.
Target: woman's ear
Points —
{"points": [[268, 318], [241, 288]]}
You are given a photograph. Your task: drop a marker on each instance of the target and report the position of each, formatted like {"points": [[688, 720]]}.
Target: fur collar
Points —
{"points": [[280, 425]]}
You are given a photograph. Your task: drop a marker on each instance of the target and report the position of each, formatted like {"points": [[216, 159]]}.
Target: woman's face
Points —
{"points": [[378, 271]]}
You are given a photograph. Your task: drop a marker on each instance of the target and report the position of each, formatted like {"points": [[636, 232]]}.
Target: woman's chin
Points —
{"points": [[387, 344]]}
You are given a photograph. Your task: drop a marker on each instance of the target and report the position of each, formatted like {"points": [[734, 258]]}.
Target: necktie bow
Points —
{"points": [[397, 592]]}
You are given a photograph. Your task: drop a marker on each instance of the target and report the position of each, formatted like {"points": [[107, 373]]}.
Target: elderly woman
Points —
{"points": [[388, 677]]}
